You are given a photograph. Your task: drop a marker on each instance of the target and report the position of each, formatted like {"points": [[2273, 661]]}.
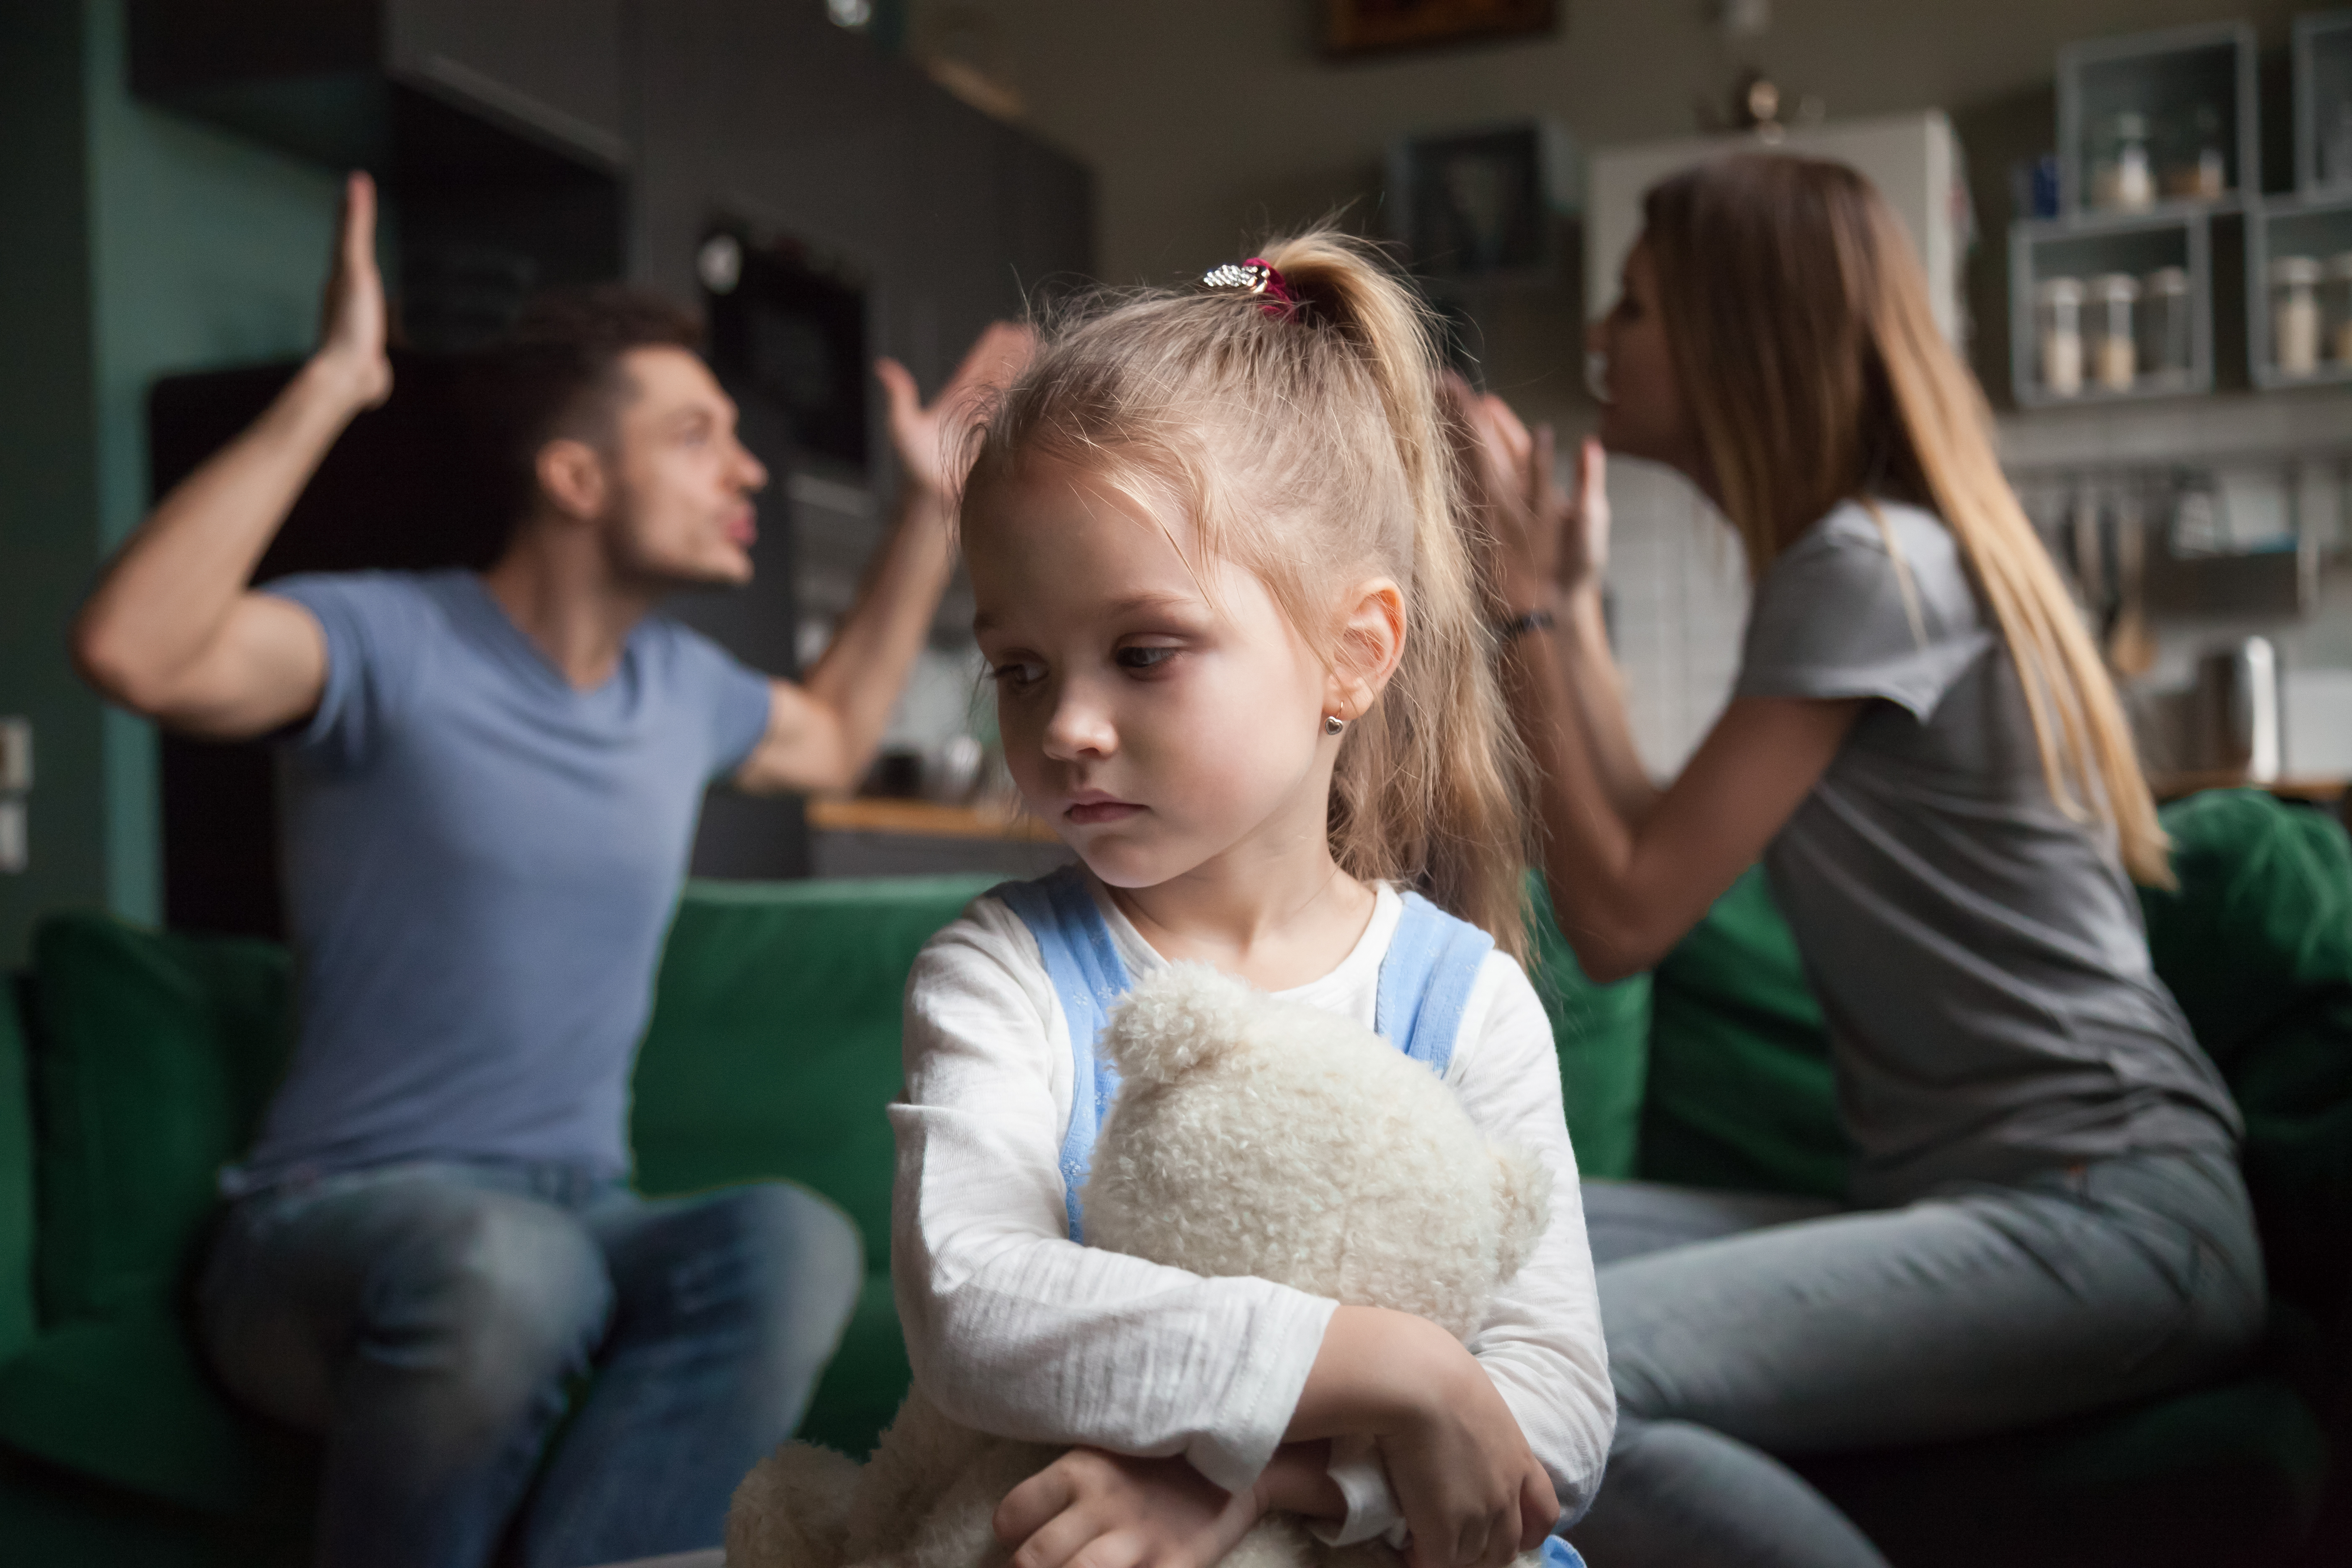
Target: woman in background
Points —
{"points": [[2046, 1214]]}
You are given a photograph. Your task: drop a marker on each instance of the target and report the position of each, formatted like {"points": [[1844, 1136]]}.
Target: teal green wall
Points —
{"points": [[140, 244]]}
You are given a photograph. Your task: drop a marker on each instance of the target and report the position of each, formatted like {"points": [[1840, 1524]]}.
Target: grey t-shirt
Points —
{"points": [[1979, 955]]}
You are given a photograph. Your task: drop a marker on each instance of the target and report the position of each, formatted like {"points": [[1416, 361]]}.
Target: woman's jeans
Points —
{"points": [[429, 1321], [1742, 1326]]}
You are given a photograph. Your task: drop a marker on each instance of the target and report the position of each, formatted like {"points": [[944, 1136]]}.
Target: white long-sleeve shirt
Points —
{"points": [[1016, 1330]]}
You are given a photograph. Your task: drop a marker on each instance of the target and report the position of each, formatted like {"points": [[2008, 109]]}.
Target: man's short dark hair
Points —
{"points": [[557, 371]]}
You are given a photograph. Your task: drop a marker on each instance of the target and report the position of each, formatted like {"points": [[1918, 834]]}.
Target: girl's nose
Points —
{"points": [[1080, 726]]}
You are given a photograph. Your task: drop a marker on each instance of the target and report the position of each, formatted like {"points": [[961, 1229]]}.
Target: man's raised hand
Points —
{"points": [[352, 316], [930, 438]]}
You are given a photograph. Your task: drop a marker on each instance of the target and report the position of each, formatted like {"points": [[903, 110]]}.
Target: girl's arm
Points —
{"points": [[1015, 1330], [1629, 871]]}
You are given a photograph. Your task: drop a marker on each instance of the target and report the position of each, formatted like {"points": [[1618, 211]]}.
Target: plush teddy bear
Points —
{"points": [[1250, 1136]]}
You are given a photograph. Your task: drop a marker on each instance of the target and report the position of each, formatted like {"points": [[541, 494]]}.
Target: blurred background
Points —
{"points": [[2137, 218]]}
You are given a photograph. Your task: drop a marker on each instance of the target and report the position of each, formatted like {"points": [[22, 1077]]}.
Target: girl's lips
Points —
{"points": [[1090, 811]]}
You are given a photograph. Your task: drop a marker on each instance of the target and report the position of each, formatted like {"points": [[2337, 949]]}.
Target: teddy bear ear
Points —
{"points": [[1523, 1194], [1183, 1015]]}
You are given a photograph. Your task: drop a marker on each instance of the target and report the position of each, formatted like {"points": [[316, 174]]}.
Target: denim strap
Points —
{"points": [[1425, 980]]}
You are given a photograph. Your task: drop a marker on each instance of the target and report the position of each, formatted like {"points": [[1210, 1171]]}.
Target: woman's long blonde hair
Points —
{"points": [[1308, 447], [1797, 315]]}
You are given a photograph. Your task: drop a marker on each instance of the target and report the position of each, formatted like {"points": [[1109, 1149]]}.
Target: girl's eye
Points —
{"points": [[1018, 672], [1143, 658]]}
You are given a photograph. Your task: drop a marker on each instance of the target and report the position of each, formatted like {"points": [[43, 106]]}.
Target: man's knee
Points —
{"points": [[500, 1294], [799, 1260]]}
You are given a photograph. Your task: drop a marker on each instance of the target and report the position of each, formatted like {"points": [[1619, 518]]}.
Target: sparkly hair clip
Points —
{"points": [[1257, 279]]}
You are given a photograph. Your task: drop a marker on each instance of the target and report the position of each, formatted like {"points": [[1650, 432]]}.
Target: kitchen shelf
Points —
{"points": [[2165, 78], [2085, 247], [2317, 226], [2323, 102]]}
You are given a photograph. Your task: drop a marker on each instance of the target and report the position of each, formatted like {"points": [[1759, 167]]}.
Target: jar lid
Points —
{"points": [[2115, 287], [2167, 281], [2290, 270], [2059, 291]]}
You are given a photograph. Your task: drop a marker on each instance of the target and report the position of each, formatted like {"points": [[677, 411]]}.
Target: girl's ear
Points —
{"points": [[1369, 645]]}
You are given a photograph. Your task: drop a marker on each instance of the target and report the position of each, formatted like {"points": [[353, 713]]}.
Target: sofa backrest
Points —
{"points": [[16, 1317], [774, 1048]]}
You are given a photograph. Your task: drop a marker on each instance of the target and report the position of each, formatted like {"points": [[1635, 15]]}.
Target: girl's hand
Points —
{"points": [[1094, 1510], [1541, 539], [1471, 1491]]}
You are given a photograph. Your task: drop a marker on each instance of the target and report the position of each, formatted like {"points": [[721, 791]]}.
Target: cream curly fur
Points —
{"points": [[1250, 1135]]}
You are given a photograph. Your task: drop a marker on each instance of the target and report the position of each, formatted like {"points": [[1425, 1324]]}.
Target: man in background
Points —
{"points": [[492, 781]]}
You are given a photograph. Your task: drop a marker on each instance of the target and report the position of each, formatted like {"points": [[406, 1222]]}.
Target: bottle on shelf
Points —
{"points": [[2058, 332], [2338, 308], [2295, 315], [2115, 347], [2195, 167], [2167, 348], [2122, 179]]}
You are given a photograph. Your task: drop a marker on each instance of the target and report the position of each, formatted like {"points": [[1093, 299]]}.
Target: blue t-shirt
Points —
{"points": [[480, 862]]}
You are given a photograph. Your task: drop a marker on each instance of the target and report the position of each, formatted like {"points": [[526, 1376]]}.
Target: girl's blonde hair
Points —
{"points": [[1797, 315], [1308, 445]]}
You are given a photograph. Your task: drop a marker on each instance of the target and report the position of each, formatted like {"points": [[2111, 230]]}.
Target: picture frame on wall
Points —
{"points": [[1380, 26], [1483, 204]]}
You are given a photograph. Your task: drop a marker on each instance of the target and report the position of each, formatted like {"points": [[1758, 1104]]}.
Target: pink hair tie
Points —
{"points": [[1256, 277]]}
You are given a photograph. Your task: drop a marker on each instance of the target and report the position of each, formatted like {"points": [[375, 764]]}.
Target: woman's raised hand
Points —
{"points": [[1543, 539], [352, 315], [929, 437]]}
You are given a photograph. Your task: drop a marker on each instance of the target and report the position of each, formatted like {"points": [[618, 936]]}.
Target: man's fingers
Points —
{"points": [[996, 356], [1027, 1507], [1539, 468], [1591, 476], [359, 223]]}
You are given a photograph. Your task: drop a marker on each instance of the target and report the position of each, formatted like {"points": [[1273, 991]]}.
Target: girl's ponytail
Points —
{"points": [[1430, 788], [1305, 439]]}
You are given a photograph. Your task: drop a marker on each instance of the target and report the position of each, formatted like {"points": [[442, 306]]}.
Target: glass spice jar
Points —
{"points": [[2295, 315], [2166, 332], [2058, 334], [2114, 344], [2336, 308]]}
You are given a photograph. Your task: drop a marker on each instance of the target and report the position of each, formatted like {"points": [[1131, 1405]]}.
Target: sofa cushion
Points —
{"points": [[1740, 1092], [2256, 943], [16, 1316], [1602, 1035], [154, 1055], [126, 1401]]}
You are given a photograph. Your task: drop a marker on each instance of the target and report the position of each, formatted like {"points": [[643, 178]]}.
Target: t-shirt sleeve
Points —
{"points": [[735, 696], [1832, 619], [375, 631]]}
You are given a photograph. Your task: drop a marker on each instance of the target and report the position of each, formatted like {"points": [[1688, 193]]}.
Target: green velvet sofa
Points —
{"points": [[133, 1065]]}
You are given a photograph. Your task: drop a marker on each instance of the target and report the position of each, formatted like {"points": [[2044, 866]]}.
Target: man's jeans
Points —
{"points": [[428, 1322], [1742, 1326]]}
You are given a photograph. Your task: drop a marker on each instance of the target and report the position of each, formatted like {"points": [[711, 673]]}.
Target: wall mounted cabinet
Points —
{"points": [[2323, 102], [2299, 291], [2061, 348], [2158, 119]]}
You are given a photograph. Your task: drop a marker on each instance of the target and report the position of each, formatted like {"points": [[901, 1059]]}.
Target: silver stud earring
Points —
{"points": [[1333, 723]]}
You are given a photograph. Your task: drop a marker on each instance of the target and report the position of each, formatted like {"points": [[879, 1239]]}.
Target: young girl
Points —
{"points": [[1241, 670], [1926, 754]]}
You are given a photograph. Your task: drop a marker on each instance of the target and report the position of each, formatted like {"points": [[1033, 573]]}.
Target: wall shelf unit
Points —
{"points": [[2317, 229], [2156, 119], [2323, 102], [2137, 246]]}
